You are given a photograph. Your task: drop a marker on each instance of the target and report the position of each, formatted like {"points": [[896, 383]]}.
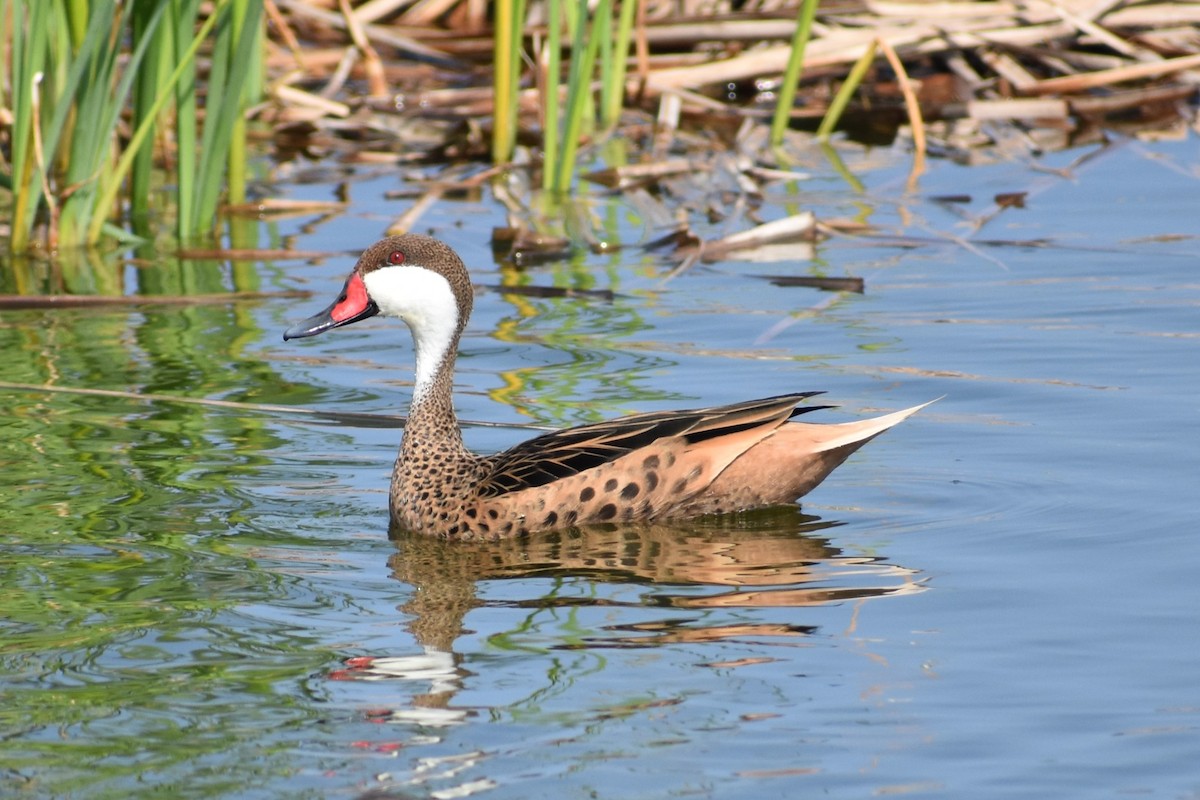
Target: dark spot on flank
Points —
{"points": [[651, 462], [550, 519], [630, 491], [472, 512], [680, 486], [610, 485], [587, 494], [670, 459], [570, 518], [452, 530], [493, 513], [483, 527], [607, 511], [651, 481]]}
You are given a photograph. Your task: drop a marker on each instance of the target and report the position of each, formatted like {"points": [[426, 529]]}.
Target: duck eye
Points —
{"points": [[396, 258]]}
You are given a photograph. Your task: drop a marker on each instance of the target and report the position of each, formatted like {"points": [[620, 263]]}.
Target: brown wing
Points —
{"points": [[560, 454]]}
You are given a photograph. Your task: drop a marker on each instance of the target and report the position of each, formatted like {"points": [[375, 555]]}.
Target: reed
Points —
{"points": [[77, 67], [613, 73], [550, 91], [508, 34], [585, 45], [791, 75], [849, 86]]}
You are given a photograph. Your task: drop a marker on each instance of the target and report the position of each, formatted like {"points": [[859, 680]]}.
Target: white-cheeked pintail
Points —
{"points": [[662, 465]]}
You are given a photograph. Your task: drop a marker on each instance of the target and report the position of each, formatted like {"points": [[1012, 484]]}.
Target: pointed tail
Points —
{"points": [[840, 434]]}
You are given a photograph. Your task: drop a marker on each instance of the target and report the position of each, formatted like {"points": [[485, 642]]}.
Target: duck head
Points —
{"points": [[412, 277], [417, 279]]}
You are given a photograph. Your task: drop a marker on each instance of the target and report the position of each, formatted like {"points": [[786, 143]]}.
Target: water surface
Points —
{"points": [[996, 599]]}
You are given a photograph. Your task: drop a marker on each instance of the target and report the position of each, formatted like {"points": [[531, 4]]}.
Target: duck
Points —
{"points": [[656, 466]]}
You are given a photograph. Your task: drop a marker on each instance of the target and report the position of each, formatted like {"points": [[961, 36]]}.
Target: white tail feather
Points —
{"points": [[844, 433]]}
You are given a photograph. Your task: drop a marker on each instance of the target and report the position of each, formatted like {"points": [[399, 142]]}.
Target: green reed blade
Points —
{"points": [[182, 22], [233, 57], [91, 169], [602, 30], [29, 47], [112, 185], [252, 82], [550, 112], [508, 34], [77, 20], [579, 90], [205, 185], [791, 75], [144, 91], [614, 77], [501, 109], [88, 105], [845, 92]]}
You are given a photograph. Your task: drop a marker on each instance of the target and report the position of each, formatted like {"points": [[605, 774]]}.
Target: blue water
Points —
{"points": [[998, 598]]}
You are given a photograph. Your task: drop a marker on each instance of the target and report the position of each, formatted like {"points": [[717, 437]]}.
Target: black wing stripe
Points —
{"points": [[561, 454]]}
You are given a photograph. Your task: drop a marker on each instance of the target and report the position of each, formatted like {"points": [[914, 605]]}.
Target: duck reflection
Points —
{"points": [[772, 559], [766, 559]]}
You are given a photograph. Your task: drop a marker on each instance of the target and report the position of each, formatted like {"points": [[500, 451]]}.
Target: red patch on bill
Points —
{"points": [[354, 302]]}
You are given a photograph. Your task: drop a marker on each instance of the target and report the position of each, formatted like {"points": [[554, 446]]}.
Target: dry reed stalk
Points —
{"points": [[286, 33], [1092, 80], [1120, 101], [374, 10], [626, 176], [1103, 35], [425, 12], [1155, 16], [914, 113], [25, 302], [371, 61], [378, 33], [299, 97], [278, 207], [798, 227], [1038, 108]]}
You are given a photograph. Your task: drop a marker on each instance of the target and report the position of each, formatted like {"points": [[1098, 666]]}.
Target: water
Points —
{"points": [[996, 599]]}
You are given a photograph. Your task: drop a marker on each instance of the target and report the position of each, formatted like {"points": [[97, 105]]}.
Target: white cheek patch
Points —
{"points": [[425, 301]]}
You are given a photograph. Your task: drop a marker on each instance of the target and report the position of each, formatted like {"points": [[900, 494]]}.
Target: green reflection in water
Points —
{"points": [[594, 377], [127, 654]]}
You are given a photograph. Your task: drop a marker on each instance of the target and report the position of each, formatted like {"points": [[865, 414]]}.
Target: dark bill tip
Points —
{"points": [[352, 305], [317, 323]]}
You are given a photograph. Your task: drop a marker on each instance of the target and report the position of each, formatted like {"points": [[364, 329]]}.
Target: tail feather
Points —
{"points": [[789, 463], [860, 431]]}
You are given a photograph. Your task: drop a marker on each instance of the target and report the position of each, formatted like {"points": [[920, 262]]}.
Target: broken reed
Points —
{"points": [[77, 67]]}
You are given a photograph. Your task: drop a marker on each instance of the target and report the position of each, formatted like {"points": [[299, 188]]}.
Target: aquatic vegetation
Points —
{"points": [[105, 114]]}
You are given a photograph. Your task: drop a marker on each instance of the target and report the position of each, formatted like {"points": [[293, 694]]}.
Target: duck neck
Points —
{"points": [[432, 423]]}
